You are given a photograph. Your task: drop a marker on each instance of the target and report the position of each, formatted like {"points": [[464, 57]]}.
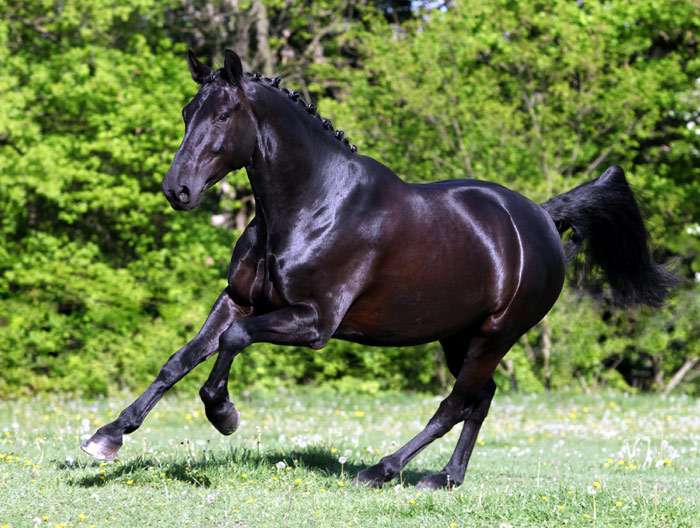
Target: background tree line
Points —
{"points": [[100, 281]]}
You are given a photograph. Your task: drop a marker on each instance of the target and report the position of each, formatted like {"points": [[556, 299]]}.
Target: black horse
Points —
{"points": [[340, 247]]}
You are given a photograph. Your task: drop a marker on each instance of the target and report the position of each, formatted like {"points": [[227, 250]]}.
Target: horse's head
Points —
{"points": [[220, 132]]}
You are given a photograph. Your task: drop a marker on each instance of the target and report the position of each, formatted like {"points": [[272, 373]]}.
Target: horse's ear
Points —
{"points": [[200, 72], [233, 69]]}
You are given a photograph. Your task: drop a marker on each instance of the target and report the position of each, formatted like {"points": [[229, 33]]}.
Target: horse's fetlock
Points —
{"points": [[210, 395], [389, 466]]}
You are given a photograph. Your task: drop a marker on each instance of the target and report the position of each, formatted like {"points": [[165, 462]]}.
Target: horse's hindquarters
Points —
{"points": [[460, 262]]}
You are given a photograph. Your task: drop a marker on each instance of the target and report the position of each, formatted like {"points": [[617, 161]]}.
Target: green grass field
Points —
{"points": [[548, 460]]}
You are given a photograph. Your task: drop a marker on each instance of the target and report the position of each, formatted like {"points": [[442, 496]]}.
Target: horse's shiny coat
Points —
{"points": [[340, 247]]}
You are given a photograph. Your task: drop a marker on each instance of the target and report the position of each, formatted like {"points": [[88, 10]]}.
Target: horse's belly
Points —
{"points": [[413, 315]]}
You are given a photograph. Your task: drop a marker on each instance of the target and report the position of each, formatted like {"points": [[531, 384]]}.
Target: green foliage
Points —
{"points": [[100, 281]]}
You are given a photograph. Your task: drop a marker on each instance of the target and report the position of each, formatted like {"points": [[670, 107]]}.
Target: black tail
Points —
{"points": [[604, 218]]}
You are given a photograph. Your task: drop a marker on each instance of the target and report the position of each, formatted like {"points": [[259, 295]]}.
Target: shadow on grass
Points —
{"points": [[194, 471]]}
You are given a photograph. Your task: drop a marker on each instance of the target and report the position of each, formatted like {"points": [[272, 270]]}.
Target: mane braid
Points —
{"points": [[296, 97]]}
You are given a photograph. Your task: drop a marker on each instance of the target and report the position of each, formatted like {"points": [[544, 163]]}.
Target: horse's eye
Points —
{"points": [[224, 116]]}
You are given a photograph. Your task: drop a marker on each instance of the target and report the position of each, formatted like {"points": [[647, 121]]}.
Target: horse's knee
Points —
{"points": [[234, 338]]}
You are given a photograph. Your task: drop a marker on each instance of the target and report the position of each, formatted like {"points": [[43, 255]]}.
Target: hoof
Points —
{"points": [[101, 447], [436, 481], [374, 476], [225, 417]]}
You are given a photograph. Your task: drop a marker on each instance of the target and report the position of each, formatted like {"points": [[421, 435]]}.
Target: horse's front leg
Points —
{"points": [[293, 325], [105, 443]]}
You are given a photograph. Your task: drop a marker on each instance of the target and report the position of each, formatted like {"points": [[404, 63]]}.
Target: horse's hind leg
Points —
{"points": [[456, 348], [473, 387], [453, 473], [105, 443]]}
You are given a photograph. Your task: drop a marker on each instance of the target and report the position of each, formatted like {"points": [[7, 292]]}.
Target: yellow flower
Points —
{"points": [[297, 482], [334, 450], [544, 498], [82, 517], [412, 501], [129, 482], [359, 413], [667, 461], [618, 504], [597, 484]]}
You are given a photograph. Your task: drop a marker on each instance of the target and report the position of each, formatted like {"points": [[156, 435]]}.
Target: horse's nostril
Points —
{"points": [[183, 195]]}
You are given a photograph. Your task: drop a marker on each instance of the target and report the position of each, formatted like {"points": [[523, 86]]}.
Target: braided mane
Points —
{"points": [[295, 97]]}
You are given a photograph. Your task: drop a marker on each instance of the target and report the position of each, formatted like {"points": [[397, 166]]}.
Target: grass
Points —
{"points": [[548, 460]]}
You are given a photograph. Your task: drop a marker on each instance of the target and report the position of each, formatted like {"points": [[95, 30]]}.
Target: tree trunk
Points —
{"points": [[680, 374]]}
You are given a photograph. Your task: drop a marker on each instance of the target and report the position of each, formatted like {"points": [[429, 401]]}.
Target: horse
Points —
{"points": [[341, 248]]}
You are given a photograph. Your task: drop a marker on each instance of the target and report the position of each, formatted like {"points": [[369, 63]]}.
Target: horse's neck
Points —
{"points": [[296, 166]]}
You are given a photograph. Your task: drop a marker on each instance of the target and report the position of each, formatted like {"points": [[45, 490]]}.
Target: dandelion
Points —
{"points": [[82, 517], [280, 465], [544, 498], [342, 461], [618, 504]]}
